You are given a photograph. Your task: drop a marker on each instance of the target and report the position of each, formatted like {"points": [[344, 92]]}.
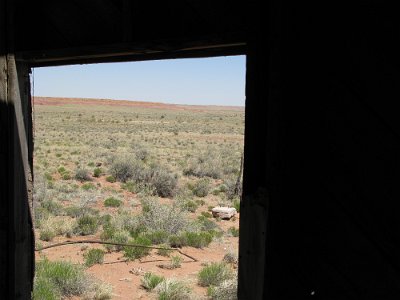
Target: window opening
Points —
{"points": [[165, 177]]}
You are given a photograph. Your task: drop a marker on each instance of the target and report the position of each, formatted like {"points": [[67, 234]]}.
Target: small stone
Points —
{"points": [[223, 212]]}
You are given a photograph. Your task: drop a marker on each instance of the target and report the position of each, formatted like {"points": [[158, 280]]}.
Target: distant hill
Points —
{"points": [[91, 101]]}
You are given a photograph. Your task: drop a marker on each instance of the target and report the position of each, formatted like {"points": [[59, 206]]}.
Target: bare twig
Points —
{"points": [[115, 244]]}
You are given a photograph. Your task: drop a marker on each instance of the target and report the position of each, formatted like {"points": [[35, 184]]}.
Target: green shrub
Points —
{"points": [[201, 187], [226, 290], [94, 256], [112, 202], [63, 277], [164, 251], [122, 170], [97, 172], [47, 234], [132, 253], [87, 225], [121, 237], [45, 289], [190, 206], [111, 179], [157, 237], [40, 215], [206, 224], [88, 186], [178, 240], [198, 240], [73, 211], [150, 280], [163, 182], [233, 231], [172, 289], [214, 274], [61, 170], [206, 214], [82, 175], [48, 176], [176, 261], [66, 176], [236, 204], [52, 206], [207, 164], [162, 217]]}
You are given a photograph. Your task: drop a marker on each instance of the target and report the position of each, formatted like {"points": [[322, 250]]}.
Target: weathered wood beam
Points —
{"points": [[16, 234], [134, 52]]}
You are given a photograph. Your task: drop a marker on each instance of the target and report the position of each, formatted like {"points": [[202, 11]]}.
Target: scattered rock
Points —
{"points": [[125, 279], [223, 212], [136, 271]]}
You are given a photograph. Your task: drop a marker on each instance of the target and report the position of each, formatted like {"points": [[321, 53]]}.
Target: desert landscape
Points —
{"points": [[136, 173]]}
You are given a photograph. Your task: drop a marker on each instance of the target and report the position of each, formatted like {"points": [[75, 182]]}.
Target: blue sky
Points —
{"points": [[219, 81]]}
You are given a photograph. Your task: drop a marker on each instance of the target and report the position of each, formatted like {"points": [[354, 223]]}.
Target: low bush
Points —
{"points": [[164, 251], [226, 290], [111, 179], [93, 256], [87, 225], [47, 234], [73, 211], [88, 186], [121, 170], [45, 289], [132, 253], [190, 206], [97, 172], [201, 187], [112, 202], [176, 261], [52, 206], [172, 289], [198, 239], [236, 204], [207, 164], [61, 280], [178, 240], [233, 231], [157, 237], [150, 281], [163, 182], [162, 217], [82, 175], [206, 214], [214, 274], [206, 224], [62, 277]]}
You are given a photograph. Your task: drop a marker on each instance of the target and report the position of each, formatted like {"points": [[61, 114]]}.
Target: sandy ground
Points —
{"points": [[125, 276]]}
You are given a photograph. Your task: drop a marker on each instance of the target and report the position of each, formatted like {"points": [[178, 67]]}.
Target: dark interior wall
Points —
{"points": [[319, 216], [333, 210]]}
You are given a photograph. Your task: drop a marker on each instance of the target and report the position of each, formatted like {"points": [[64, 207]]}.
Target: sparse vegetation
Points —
{"points": [[214, 274], [82, 175], [112, 202], [141, 176], [132, 253], [172, 289], [150, 281], [87, 225], [61, 279], [93, 256]]}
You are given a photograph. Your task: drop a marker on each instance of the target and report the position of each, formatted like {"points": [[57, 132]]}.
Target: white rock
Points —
{"points": [[223, 212]]}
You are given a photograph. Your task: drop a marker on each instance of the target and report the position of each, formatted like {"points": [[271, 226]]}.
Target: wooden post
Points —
{"points": [[16, 233]]}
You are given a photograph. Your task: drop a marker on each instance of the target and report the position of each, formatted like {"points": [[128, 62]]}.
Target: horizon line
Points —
{"points": [[131, 100]]}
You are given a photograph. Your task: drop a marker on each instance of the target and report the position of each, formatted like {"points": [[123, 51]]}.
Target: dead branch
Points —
{"points": [[114, 244]]}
